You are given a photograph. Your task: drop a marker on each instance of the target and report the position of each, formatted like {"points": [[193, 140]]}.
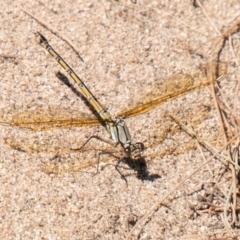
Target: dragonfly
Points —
{"points": [[117, 129]]}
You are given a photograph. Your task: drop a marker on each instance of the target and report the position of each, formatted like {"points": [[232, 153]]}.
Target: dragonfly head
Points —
{"points": [[133, 151]]}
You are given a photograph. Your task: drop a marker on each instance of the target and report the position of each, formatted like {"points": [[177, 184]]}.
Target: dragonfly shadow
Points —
{"points": [[66, 81], [124, 164], [140, 166]]}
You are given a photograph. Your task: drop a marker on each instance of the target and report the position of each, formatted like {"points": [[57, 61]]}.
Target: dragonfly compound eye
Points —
{"points": [[127, 152]]}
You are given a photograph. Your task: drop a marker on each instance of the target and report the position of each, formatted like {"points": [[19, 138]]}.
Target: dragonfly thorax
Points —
{"points": [[119, 132]]}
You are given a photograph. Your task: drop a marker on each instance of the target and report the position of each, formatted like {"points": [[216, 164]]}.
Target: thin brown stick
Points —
{"points": [[54, 31], [216, 182], [7, 56], [236, 234], [208, 18], [208, 146]]}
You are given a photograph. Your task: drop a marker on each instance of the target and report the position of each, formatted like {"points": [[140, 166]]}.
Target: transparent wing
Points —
{"points": [[176, 86], [43, 119], [167, 89]]}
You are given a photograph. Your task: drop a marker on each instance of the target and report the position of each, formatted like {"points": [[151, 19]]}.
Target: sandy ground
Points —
{"points": [[127, 48]]}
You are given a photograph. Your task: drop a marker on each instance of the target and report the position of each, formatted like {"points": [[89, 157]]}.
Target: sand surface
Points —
{"points": [[124, 51]]}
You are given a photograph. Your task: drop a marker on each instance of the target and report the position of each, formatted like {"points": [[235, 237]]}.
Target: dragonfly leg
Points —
{"points": [[89, 139], [111, 153], [122, 176]]}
